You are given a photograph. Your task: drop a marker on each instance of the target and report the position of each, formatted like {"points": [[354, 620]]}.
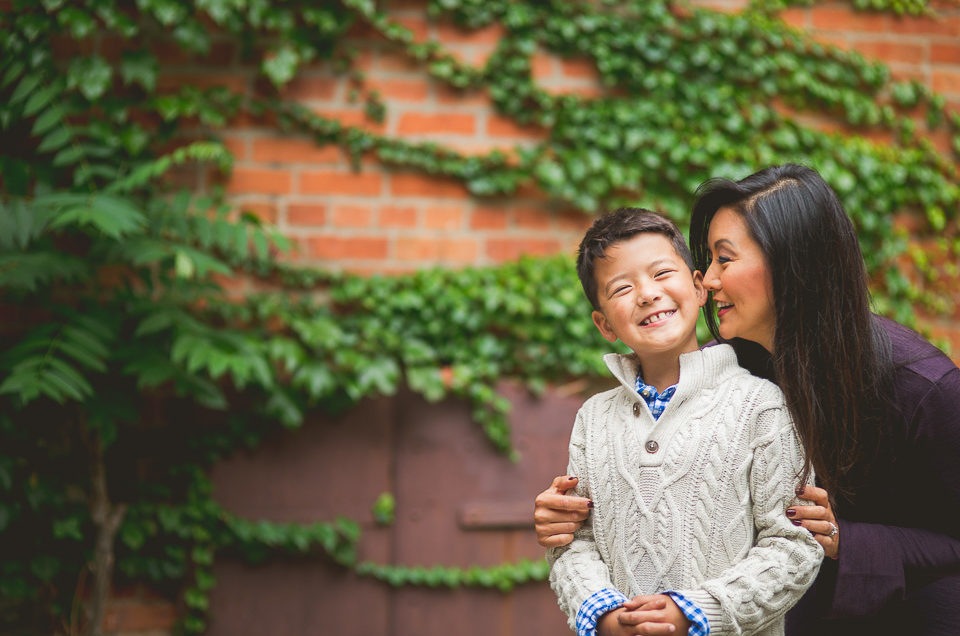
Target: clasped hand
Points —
{"points": [[650, 615]]}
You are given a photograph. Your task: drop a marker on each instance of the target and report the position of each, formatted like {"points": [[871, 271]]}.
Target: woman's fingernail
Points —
{"points": [[791, 512], [795, 522], [570, 477], [590, 503], [798, 490]]}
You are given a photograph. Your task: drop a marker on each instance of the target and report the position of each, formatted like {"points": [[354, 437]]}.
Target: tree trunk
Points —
{"points": [[106, 517]]}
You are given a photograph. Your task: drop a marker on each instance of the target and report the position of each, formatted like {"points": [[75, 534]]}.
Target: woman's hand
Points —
{"points": [[558, 515], [818, 519]]}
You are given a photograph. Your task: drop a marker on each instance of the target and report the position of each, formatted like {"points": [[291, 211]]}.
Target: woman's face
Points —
{"points": [[740, 281]]}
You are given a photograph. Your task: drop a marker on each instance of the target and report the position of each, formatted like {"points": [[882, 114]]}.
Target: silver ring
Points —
{"points": [[833, 530]]}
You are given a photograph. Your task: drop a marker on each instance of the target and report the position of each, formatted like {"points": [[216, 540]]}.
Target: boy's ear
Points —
{"points": [[698, 286], [604, 326]]}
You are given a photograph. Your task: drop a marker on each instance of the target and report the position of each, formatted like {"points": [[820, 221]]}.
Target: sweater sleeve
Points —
{"points": [[784, 559], [577, 570], [876, 561]]}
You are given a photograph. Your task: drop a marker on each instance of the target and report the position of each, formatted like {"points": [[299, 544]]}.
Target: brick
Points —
{"points": [[574, 221], [946, 81], [412, 90], [841, 42], [443, 218], [586, 91], [499, 126], [944, 53], [509, 249], [417, 25], [306, 214], [352, 216], [237, 147], [397, 216], [452, 34], [259, 180], [488, 219], [304, 87], [351, 183], [797, 18], [581, 68], [437, 123], [844, 19], [542, 65], [292, 150], [395, 60], [891, 50], [532, 218], [938, 25], [335, 247], [419, 185], [447, 95], [128, 616], [437, 249]]}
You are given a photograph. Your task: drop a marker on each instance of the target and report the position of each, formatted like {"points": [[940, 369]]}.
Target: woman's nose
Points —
{"points": [[710, 278]]}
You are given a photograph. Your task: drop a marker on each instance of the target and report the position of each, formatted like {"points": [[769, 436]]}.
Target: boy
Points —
{"points": [[690, 463]]}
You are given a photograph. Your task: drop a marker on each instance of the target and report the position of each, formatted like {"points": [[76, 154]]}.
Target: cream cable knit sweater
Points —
{"points": [[693, 502]]}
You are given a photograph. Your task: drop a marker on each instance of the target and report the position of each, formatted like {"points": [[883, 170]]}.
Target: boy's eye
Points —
{"points": [[620, 289], [663, 272]]}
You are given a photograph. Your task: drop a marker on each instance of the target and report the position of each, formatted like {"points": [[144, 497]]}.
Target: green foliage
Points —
{"points": [[124, 336], [384, 509]]}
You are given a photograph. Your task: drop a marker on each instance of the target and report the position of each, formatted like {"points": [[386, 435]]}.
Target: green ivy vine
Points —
{"points": [[122, 337]]}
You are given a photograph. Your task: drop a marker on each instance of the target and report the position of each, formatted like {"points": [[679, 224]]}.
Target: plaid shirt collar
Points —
{"points": [[657, 402]]}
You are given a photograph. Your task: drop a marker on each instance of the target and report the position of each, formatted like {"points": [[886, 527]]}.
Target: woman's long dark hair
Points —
{"points": [[830, 358]]}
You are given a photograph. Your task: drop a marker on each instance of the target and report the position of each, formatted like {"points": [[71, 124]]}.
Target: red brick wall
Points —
{"points": [[388, 221]]}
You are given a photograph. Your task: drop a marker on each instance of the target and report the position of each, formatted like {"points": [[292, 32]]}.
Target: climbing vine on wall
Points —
{"points": [[123, 341]]}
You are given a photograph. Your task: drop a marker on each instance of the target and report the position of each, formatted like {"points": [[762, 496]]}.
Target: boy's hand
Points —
{"points": [[653, 615]]}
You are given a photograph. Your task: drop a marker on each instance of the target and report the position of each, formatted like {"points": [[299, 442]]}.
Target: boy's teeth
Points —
{"points": [[656, 317]]}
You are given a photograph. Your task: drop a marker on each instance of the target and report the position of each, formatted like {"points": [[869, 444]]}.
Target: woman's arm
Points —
{"points": [[877, 564]]}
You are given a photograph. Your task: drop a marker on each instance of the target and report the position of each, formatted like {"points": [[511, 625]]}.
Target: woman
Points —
{"points": [[876, 406]]}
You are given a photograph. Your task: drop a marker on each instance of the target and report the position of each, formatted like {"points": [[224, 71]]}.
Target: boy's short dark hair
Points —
{"points": [[621, 225]]}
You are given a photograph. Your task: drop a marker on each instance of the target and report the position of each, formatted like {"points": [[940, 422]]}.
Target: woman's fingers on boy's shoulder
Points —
{"points": [[563, 483], [798, 513], [569, 503], [817, 495]]}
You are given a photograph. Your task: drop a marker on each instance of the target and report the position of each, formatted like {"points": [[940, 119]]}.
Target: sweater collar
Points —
{"points": [[697, 368]]}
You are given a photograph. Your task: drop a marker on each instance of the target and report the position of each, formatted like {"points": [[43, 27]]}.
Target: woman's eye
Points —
{"points": [[722, 260]]}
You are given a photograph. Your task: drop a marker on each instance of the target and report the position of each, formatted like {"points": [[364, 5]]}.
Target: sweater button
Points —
{"points": [[636, 409], [652, 446]]}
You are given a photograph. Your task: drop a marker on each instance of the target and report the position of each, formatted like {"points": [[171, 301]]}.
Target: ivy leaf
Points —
{"points": [[281, 65], [92, 75], [140, 67]]}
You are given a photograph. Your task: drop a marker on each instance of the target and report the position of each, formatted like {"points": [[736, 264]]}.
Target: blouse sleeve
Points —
{"points": [[877, 562]]}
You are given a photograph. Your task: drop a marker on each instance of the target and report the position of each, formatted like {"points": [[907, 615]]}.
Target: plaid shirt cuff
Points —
{"points": [[596, 606], [699, 625]]}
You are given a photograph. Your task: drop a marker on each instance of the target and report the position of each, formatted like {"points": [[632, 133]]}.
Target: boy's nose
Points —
{"points": [[648, 294]]}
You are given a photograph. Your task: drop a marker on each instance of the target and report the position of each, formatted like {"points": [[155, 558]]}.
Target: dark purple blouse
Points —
{"points": [[898, 570]]}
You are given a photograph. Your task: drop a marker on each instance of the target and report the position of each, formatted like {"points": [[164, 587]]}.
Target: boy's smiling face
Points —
{"points": [[648, 297]]}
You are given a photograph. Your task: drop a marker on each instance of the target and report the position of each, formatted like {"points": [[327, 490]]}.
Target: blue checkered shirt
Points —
{"points": [[656, 401], [599, 603]]}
